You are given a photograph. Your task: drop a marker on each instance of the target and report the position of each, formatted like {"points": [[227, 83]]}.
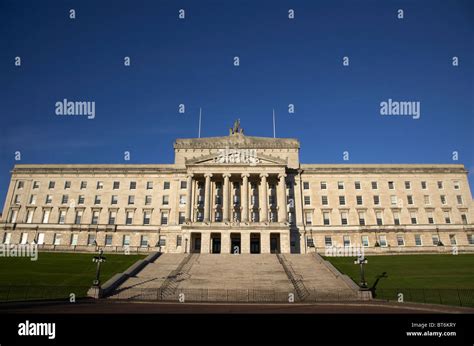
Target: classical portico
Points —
{"points": [[237, 192]]}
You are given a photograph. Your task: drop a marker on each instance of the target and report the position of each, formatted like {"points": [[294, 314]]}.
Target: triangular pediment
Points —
{"points": [[236, 157]]}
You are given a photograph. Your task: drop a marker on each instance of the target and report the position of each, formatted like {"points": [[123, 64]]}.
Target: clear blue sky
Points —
{"points": [[190, 61]]}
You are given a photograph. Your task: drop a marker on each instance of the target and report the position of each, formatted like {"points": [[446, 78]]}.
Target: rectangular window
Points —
{"points": [[324, 200], [83, 185], [342, 200], [166, 185], [464, 219], [418, 240], [182, 200], [149, 185], [33, 199], [100, 185], [347, 240], [361, 218], [309, 217], [114, 199], [343, 218], [133, 185], [323, 185], [17, 199], [378, 216], [46, 215], [374, 185], [95, 217], [146, 217], [340, 185], [80, 199], [64, 199], [21, 185], [327, 241], [391, 185], [413, 218], [357, 185], [452, 239], [383, 240], [447, 218], [426, 199], [129, 218], [97, 199], [116, 185], [36, 185], [443, 199], [112, 217], [67, 185], [51, 185], [183, 184], [62, 217], [91, 239], [423, 185], [359, 200], [126, 240], [24, 238], [400, 240], [78, 218], [393, 200], [179, 240], [162, 240], [108, 239], [456, 185], [306, 185], [164, 218], [410, 199], [148, 200], [326, 218], [470, 239], [131, 199], [365, 240], [29, 216], [430, 217], [396, 218], [166, 200], [307, 200], [181, 218], [407, 185], [459, 199], [57, 239], [440, 184], [144, 241], [310, 242], [376, 200], [435, 239], [6, 238], [74, 239]]}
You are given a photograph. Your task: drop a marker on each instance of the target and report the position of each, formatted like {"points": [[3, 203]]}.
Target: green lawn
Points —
{"points": [[55, 275], [445, 279]]}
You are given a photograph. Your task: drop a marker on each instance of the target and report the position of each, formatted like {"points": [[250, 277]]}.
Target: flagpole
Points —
{"points": [[274, 131], [199, 134]]}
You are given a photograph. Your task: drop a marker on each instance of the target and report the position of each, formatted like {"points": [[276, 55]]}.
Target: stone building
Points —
{"points": [[239, 194]]}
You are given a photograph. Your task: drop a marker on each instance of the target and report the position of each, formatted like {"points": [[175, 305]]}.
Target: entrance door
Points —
{"points": [[254, 243], [275, 242], [216, 243], [235, 243], [196, 242]]}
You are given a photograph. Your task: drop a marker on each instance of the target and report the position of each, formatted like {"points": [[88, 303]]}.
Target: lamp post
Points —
{"points": [[98, 259], [440, 243], [361, 260]]}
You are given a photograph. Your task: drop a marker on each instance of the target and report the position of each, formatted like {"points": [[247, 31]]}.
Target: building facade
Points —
{"points": [[240, 194]]}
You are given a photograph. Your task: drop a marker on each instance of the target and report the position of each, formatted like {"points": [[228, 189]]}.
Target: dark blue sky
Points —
{"points": [[190, 61]]}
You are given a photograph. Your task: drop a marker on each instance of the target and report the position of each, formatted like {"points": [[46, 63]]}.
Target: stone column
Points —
{"points": [[189, 200], [263, 198], [245, 242], [245, 197], [225, 197], [207, 197], [264, 242], [205, 242], [225, 242], [282, 212]]}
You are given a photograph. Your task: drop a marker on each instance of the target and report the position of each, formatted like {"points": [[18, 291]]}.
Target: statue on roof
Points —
{"points": [[236, 128]]}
